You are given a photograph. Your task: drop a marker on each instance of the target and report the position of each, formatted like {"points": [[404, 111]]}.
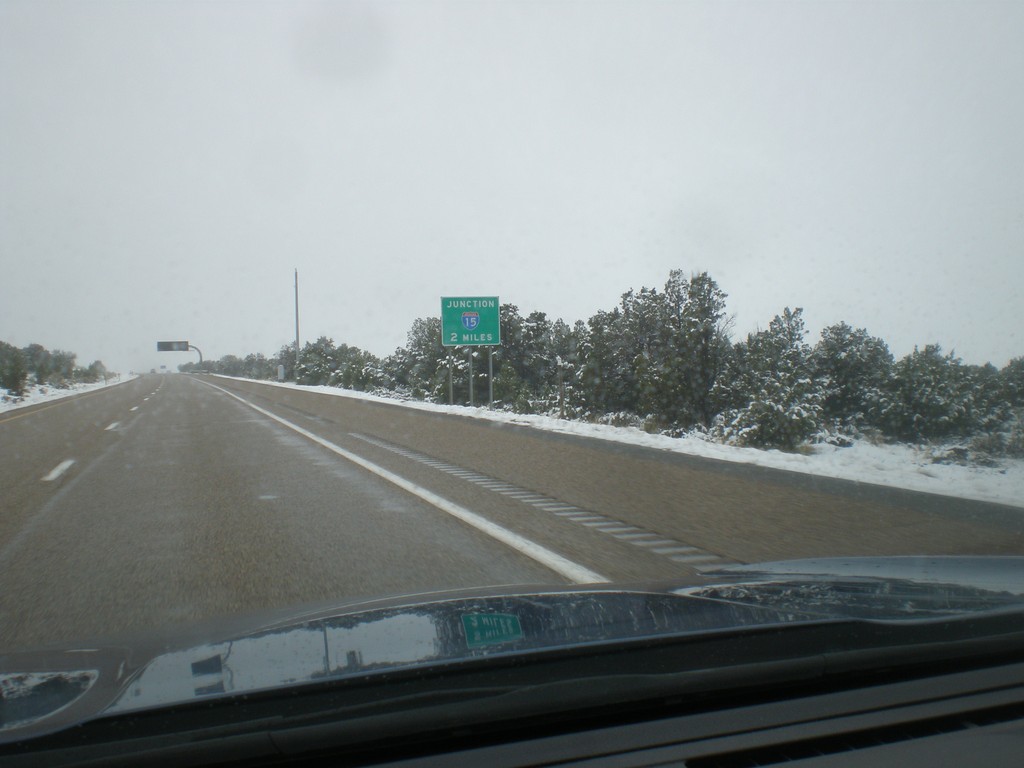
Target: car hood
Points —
{"points": [[48, 690]]}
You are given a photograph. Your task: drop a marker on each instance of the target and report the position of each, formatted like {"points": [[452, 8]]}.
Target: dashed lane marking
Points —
{"points": [[59, 470], [651, 541]]}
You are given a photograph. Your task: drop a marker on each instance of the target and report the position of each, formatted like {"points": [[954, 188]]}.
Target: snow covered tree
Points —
{"points": [[285, 357], [38, 362], [421, 365], [13, 371], [769, 392], [604, 388], [1012, 383], [231, 365], [692, 348], [257, 366], [317, 363], [93, 373], [930, 395], [62, 368], [854, 367]]}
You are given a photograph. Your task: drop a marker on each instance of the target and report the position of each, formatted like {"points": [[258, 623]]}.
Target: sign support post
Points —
{"points": [[471, 401], [490, 377], [451, 386]]}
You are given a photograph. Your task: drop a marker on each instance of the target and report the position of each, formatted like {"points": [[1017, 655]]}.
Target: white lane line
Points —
{"points": [[694, 558], [145, 399], [59, 470], [561, 565], [134, 409], [113, 425], [655, 542], [678, 550]]}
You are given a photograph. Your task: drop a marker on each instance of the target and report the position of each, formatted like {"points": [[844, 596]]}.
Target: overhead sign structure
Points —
{"points": [[178, 346], [470, 321], [172, 346]]}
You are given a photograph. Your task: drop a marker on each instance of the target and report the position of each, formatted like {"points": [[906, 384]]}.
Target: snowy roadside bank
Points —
{"points": [[897, 466], [36, 393]]}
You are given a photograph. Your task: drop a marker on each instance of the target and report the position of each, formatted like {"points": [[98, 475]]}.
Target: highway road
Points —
{"points": [[170, 499]]}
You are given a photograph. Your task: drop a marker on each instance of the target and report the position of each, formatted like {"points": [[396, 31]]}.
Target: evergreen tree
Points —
{"points": [[1011, 383], [421, 365], [285, 357], [257, 366], [928, 396], [603, 389], [692, 348], [62, 368], [13, 370], [772, 373], [94, 372], [854, 367], [231, 365], [38, 361], [317, 362]]}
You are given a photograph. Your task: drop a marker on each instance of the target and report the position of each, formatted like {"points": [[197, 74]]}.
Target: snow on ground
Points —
{"points": [[36, 394], [898, 466]]}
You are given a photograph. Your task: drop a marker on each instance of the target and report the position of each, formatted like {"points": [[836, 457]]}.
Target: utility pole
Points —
{"points": [[296, 325]]}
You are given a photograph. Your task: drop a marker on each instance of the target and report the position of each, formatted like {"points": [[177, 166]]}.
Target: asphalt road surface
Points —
{"points": [[171, 499]]}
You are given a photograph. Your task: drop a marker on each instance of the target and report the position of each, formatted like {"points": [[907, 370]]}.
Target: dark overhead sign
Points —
{"points": [[172, 346]]}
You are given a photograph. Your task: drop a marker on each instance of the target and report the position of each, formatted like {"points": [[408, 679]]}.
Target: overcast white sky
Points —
{"points": [[164, 166]]}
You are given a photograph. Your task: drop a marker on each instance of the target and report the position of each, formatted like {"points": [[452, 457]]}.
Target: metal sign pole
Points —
{"points": [[451, 387], [471, 403], [561, 391], [490, 377]]}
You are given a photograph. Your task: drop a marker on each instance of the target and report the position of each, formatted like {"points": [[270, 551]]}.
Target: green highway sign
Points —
{"points": [[470, 321], [491, 628], [172, 346]]}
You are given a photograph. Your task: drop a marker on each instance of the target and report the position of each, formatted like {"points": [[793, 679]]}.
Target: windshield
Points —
{"points": [[319, 308]]}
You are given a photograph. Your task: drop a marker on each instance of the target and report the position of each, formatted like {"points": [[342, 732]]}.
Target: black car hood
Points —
{"points": [[49, 690]]}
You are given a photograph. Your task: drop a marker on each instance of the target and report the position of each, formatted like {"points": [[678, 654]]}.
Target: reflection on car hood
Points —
{"points": [[47, 691]]}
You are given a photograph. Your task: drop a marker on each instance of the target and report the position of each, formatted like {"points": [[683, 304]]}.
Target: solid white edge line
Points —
{"points": [[561, 565], [59, 470]]}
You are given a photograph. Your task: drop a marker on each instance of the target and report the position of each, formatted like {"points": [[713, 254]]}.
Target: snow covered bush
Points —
{"points": [[769, 396]]}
